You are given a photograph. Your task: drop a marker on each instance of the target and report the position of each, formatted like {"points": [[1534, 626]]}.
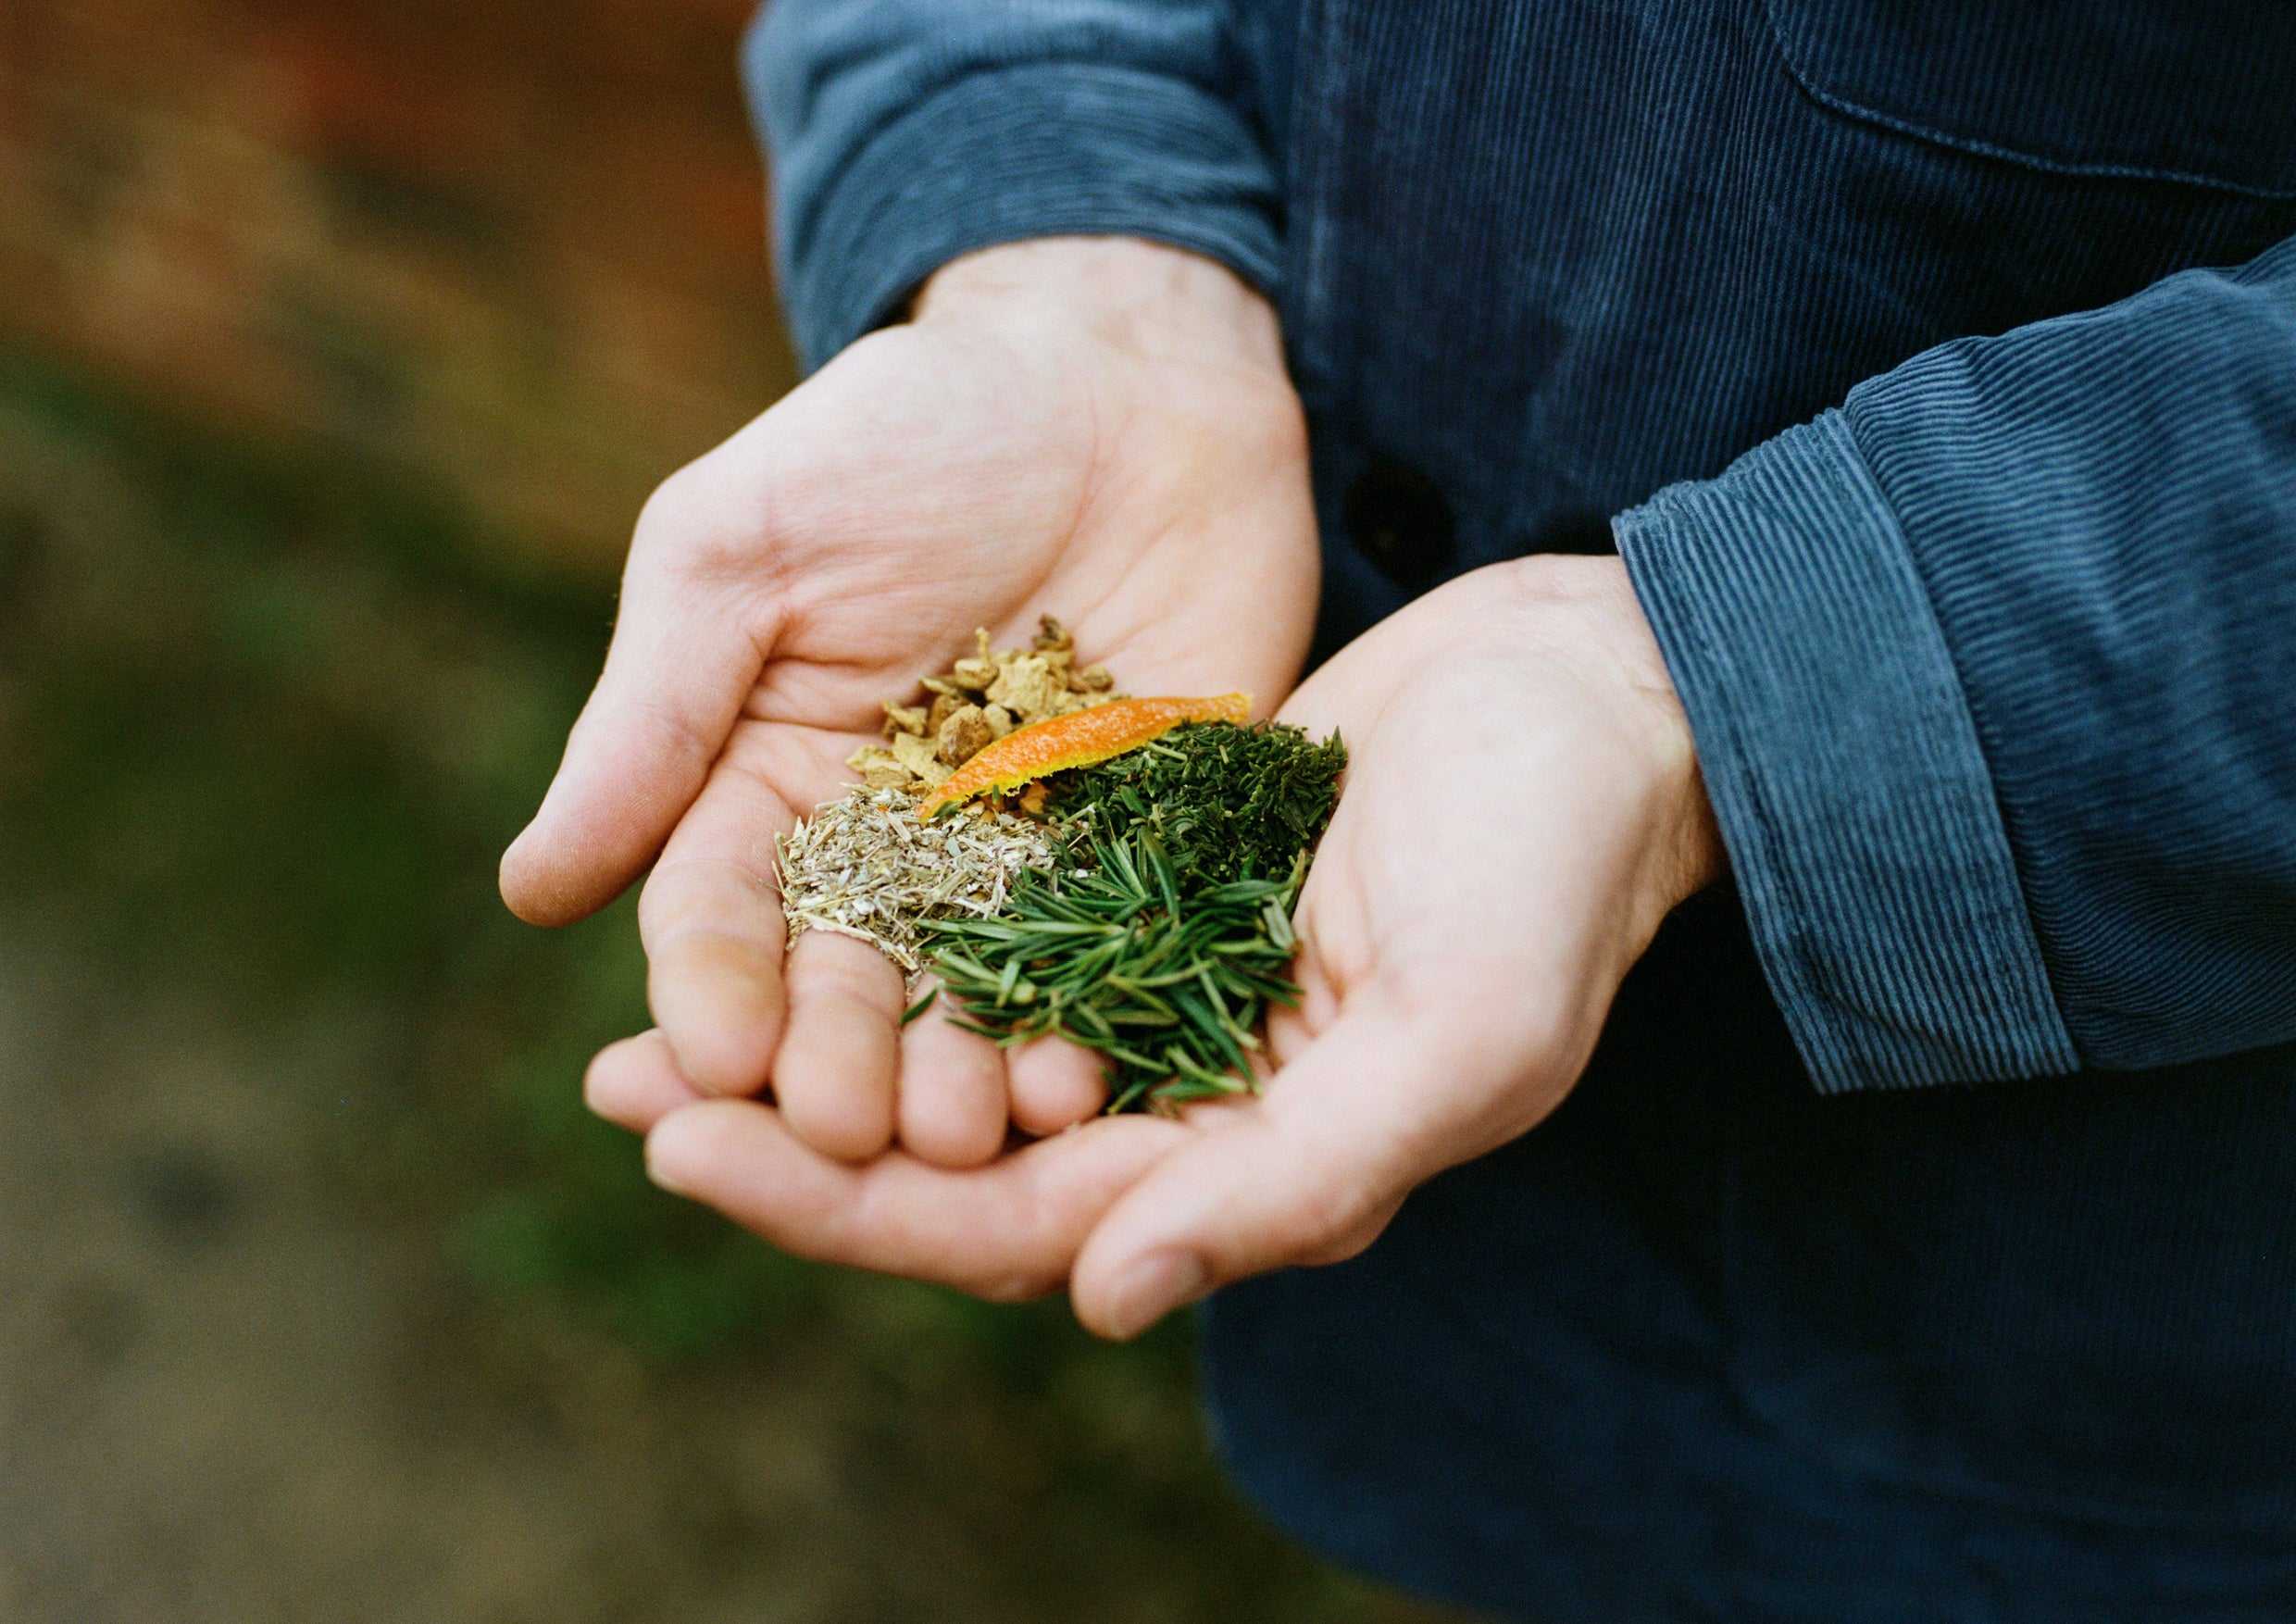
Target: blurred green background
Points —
{"points": [[336, 354]]}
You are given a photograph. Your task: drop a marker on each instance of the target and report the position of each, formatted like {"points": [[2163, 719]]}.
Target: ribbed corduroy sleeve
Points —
{"points": [[905, 133], [1992, 674]]}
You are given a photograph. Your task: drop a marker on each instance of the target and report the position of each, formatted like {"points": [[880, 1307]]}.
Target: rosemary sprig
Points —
{"points": [[1163, 973]]}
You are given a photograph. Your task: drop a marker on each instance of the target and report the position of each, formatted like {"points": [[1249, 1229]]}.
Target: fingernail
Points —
{"points": [[1152, 1288]]}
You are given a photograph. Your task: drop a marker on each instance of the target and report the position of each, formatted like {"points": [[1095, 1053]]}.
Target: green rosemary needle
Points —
{"points": [[1167, 979]]}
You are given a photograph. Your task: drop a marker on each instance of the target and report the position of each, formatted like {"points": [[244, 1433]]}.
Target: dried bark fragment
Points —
{"points": [[919, 756], [903, 718], [1027, 687], [960, 738], [974, 676]]}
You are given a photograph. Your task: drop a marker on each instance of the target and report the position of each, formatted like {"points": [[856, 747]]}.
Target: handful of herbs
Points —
{"points": [[1138, 903], [1168, 941]]}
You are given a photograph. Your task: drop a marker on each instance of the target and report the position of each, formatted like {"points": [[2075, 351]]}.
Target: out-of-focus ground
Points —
{"points": [[338, 346]]}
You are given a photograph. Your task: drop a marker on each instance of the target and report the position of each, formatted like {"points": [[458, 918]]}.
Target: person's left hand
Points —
{"points": [[1522, 808]]}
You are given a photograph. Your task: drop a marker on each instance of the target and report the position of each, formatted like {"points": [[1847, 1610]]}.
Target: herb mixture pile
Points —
{"points": [[1070, 861]]}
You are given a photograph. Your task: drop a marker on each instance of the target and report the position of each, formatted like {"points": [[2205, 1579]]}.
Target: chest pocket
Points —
{"points": [[2197, 91]]}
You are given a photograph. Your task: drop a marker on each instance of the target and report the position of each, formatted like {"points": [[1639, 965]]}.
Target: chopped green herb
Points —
{"points": [[1226, 801]]}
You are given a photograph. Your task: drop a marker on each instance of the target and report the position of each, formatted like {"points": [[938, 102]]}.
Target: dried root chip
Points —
{"points": [[974, 676], [960, 738], [1000, 691], [903, 718], [1027, 687], [920, 757]]}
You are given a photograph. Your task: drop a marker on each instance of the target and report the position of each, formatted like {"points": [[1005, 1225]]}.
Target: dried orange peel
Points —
{"points": [[1080, 739]]}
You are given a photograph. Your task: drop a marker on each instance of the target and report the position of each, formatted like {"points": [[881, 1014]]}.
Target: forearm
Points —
{"points": [[1990, 671], [908, 133]]}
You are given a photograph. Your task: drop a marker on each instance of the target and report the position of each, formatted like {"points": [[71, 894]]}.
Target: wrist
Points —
{"points": [[1687, 854], [1156, 302], [1684, 852]]}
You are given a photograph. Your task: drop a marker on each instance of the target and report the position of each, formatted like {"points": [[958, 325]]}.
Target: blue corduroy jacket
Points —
{"points": [[1922, 1243]]}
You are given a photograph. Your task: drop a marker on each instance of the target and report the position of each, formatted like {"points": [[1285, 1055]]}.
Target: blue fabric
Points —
{"points": [[1935, 361], [2087, 529], [1854, 796], [2102, 508], [898, 147]]}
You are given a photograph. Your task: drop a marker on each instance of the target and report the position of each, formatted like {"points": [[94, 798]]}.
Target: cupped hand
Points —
{"points": [[1095, 428], [1522, 808]]}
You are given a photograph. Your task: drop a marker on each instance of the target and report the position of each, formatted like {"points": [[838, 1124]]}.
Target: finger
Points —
{"points": [[711, 915], [713, 940], [676, 677], [833, 1076], [1308, 1173], [1008, 1231], [1056, 1084], [951, 1091], [635, 1083]]}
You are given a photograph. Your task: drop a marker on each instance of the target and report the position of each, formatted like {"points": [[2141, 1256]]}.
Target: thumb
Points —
{"points": [[675, 681], [1310, 1172]]}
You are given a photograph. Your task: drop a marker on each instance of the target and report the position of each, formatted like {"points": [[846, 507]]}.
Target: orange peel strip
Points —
{"points": [[1079, 739]]}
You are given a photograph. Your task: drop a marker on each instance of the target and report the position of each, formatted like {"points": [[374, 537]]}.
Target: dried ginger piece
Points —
{"points": [[903, 718], [961, 737], [994, 689], [1027, 687]]}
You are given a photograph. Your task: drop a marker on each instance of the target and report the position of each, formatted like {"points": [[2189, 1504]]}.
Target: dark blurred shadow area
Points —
{"points": [[338, 347]]}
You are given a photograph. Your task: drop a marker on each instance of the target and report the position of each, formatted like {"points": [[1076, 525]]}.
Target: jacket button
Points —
{"points": [[1398, 518]]}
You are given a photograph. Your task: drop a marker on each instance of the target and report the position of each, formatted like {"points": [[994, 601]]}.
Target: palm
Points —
{"points": [[1474, 895], [933, 479], [888, 522]]}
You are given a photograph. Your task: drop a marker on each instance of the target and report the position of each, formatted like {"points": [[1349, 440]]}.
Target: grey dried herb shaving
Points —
{"points": [[865, 866]]}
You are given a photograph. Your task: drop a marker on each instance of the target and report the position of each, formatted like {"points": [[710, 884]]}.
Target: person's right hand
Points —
{"points": [[1100, 429]]}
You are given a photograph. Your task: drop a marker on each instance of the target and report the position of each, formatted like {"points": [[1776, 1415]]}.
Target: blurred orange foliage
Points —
{"points": [[516, 250]]}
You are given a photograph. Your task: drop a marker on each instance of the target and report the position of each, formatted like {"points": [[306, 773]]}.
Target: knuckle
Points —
{"points": [[700, 524], [1307, 1229]]}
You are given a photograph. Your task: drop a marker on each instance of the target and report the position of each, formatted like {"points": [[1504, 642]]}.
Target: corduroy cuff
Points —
{"points": [[1034, 151], [1845, 768]]}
